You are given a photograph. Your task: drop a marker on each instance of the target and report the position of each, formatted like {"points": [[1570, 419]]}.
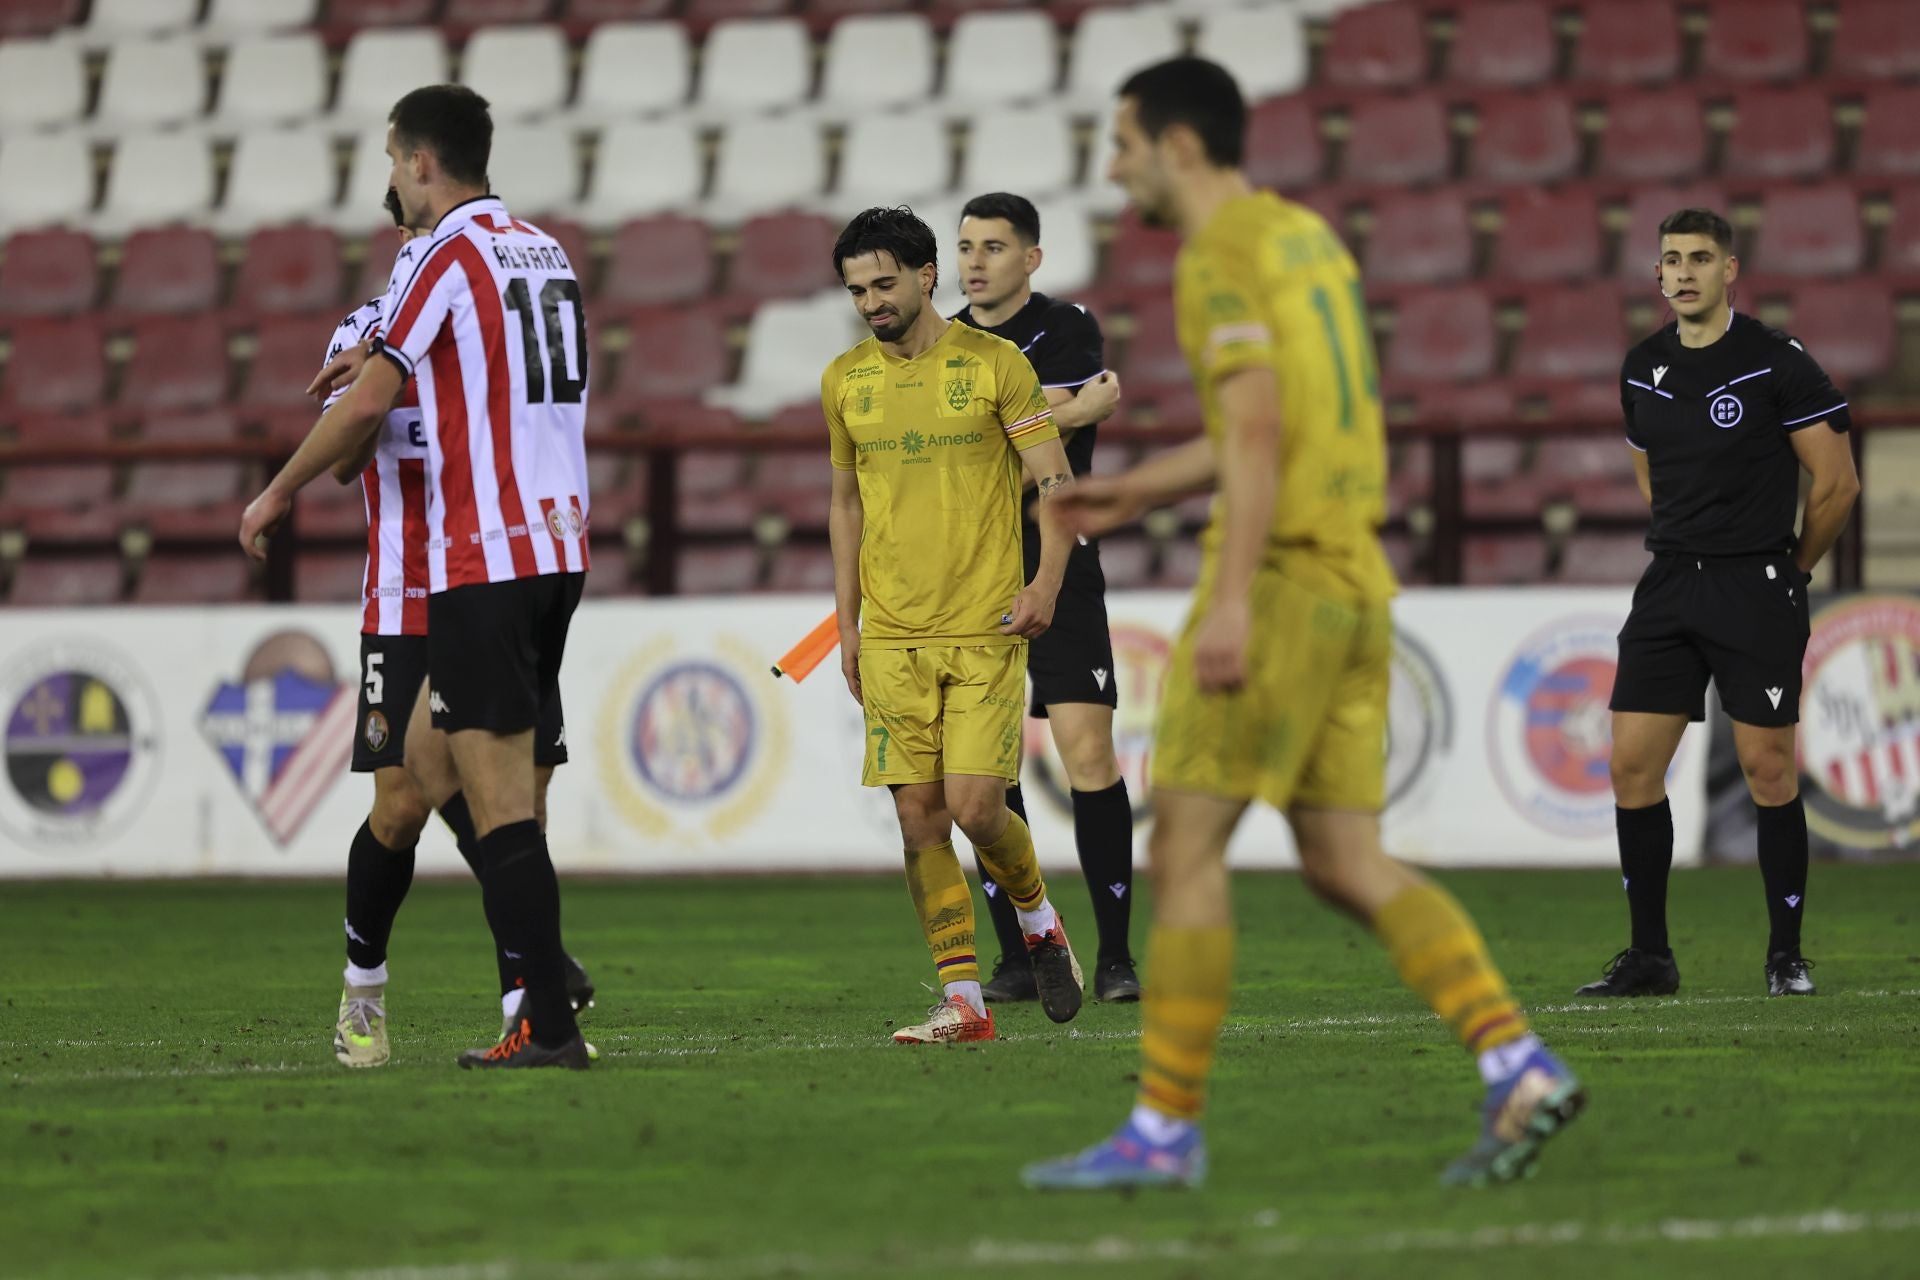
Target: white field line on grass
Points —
{"points": [[1256, 1242]]}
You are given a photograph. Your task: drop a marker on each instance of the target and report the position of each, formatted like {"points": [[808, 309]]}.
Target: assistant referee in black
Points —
{"points": [[1722, 413]]}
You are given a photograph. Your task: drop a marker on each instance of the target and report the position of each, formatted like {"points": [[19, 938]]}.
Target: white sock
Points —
{"points": [[1038, 920], [358, 977], [510, 1002], [968, 991], [1157, 1127], [1500, 1064]]}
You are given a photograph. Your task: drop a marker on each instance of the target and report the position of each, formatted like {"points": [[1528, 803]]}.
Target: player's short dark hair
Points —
{"points": [[1699, 222], [451, 121], [1018, 211], [1197, 93], [394, 210], [897, 231]]}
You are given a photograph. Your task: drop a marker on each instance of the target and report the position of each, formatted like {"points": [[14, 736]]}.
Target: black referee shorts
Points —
{"points": [[1072, 660], [1741, 621], [493, 657]]}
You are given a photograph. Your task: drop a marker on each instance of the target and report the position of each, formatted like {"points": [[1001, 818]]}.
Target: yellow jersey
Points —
{"points": [[1266, 282], [935, 443]]}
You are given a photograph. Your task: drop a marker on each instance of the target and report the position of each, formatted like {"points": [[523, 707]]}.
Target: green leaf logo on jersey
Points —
{"points": [[959, 385], [913, 442]]}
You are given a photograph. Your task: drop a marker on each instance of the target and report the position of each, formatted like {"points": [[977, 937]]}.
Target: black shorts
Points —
{"points": [[493, 657], [392, 669], [1072, 660], [1742, 621]]}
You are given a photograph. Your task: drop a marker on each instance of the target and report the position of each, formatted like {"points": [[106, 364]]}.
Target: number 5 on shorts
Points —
{"points": [[376, 680], [880, 750]]}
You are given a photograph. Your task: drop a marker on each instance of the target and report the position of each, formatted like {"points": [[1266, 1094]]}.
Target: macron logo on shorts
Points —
{"points": [[1100, 678], [1773, 696]]}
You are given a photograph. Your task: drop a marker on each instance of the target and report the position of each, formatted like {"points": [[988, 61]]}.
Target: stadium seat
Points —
{"points": [[1108, 45], [1604, 559], [380, 13], [178, 362], [1527, 139], [804, 568], [156, 178], [169, 269], [1397, 142], [892, 157], [26, 19], [999, 58], [1503, 44], [1755, 40], [1283, 144], [1810, 231], [1572, 333], [703, 15], [151, 84], [666, 258], [1420, 239], [1139, 258], [877, 62], [1265, 48], [1653, 135], [1649, 207], [329, 510], [788, 255], [633, 69], [766, 165], [1502, 560], [66, 486], [1585, 401], [1629, 42], [230, 19], [93, 427], [42, 83], [1847, 326], [1153, 355], [376, 266], [171, 487], [45, 179], [329, 577], [717, 571], [1444, 335], [473, 15], [750, 67], [521, 71], [208, 425], [200, 578], [277, 175], [579, 13], [48, 273], [55, 366], [1069, 263], [1783, 133], [1549, 236], [376, 62], [289, 269], [1877, 39], [1889, 145], [109, 21], [788, 344], [368, 172], [272, 79], [46, 582], [1026, 149], [1474, 404], [643, 167], [535, 168], [289, 351], [1379, 46], [1900, 253], [672, 353]]}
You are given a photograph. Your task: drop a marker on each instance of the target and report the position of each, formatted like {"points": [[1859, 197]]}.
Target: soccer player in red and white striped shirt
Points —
{"points": [[484, 313]]}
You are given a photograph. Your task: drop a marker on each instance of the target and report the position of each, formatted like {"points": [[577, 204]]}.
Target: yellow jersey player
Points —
{"points": [[1277, 689], [931, 423]]}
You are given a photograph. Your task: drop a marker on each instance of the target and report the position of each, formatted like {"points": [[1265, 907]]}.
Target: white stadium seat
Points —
{"points": [[381, 65], [1098, 194], [42, 83], [157, 178], [367, 174], [753, 66], [150, 84], [1000, 57], [1028, 150], [788, 344], [520, 71], [278, 175], [643, 167], [892, 157], [227, 19], [45, 178], [1111, 44], [767, 165], [1265, 48], [634, 68], [272, 79], [535, 168], [877, 60], [109, 21], [1069, 251]]}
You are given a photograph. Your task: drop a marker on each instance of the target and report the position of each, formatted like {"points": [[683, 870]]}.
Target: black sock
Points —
{"points": [[1006, 922], [1646, 856], [1783, 868], [459, 820], [1103, 833], [377, 882], [523, 908]]}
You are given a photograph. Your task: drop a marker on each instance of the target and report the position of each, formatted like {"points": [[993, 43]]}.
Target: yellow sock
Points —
{"points": [[1189, 972], [945, 904], [1010, 860], [1442, 956]]}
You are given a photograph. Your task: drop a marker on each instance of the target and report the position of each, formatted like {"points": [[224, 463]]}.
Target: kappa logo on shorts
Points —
{"points": [[283, 729], [375, 731], [1860, 703]]}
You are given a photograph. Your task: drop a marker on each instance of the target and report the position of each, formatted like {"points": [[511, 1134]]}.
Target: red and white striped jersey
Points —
{"points": [[485, 316], [394, 592]]}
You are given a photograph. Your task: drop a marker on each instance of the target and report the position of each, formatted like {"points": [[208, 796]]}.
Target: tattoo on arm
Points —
{"points": [[1050, 485]]}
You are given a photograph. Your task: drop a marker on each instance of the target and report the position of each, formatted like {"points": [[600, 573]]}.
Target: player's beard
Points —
{"points": [[903, 320]]}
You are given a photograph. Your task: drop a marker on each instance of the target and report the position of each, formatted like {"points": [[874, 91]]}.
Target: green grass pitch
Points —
{"points": [[171, 1106]]}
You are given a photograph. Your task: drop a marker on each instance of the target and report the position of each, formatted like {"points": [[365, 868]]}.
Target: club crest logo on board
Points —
{"points": [[81, 746], [1419, 720], [1549, 732], [1140, 656], [284, 729], [1859, 735]]}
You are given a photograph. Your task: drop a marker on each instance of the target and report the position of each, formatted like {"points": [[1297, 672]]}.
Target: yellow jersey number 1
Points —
{"points": [[1344, 370]]}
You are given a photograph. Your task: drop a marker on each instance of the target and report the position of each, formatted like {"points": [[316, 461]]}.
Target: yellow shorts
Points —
{"points": [[1308, 728], [943, 709]]}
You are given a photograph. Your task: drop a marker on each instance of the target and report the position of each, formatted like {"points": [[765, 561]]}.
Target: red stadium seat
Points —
{"points": [[674, 353], [1847, 326], [701, 15], [1475, 404], [290, 351], [577, 245], [1900, 254], [169, 269], [1283, 144], [347, 15], [944, 13], [1397, 141], [469, 14], [1889, 139], [1446, 335], [1755, 40], [1569, 402], [1377, 46], [376, 266], [1154, 358], [179, 362], [58, 486], [184, 499], [1572, 333], [1810, 231], [194, 579], [593, 12], [48, 273], [668, 258], [290, 269], [23, 18], [1783, 133], [202, 426], [1503, 44], [56, 365], [329, 577], [1629, 42], [1876, 38], [1640, 241], [1140, 257], [1419, 239], [788, 255], [717, 571], [808, 569], [328, 510], [43, 430], [1549, 237], [822, 14], [67, 581], [1503, 560], [1526, 139], [1604, 558], [1654, 135]]}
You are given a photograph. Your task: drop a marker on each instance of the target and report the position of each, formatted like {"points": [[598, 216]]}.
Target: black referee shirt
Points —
{"points": [[1713, 422]]}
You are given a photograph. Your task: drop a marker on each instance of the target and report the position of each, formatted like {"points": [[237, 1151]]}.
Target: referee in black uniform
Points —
{"points": [[1722, 413], [1072, 664]]}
